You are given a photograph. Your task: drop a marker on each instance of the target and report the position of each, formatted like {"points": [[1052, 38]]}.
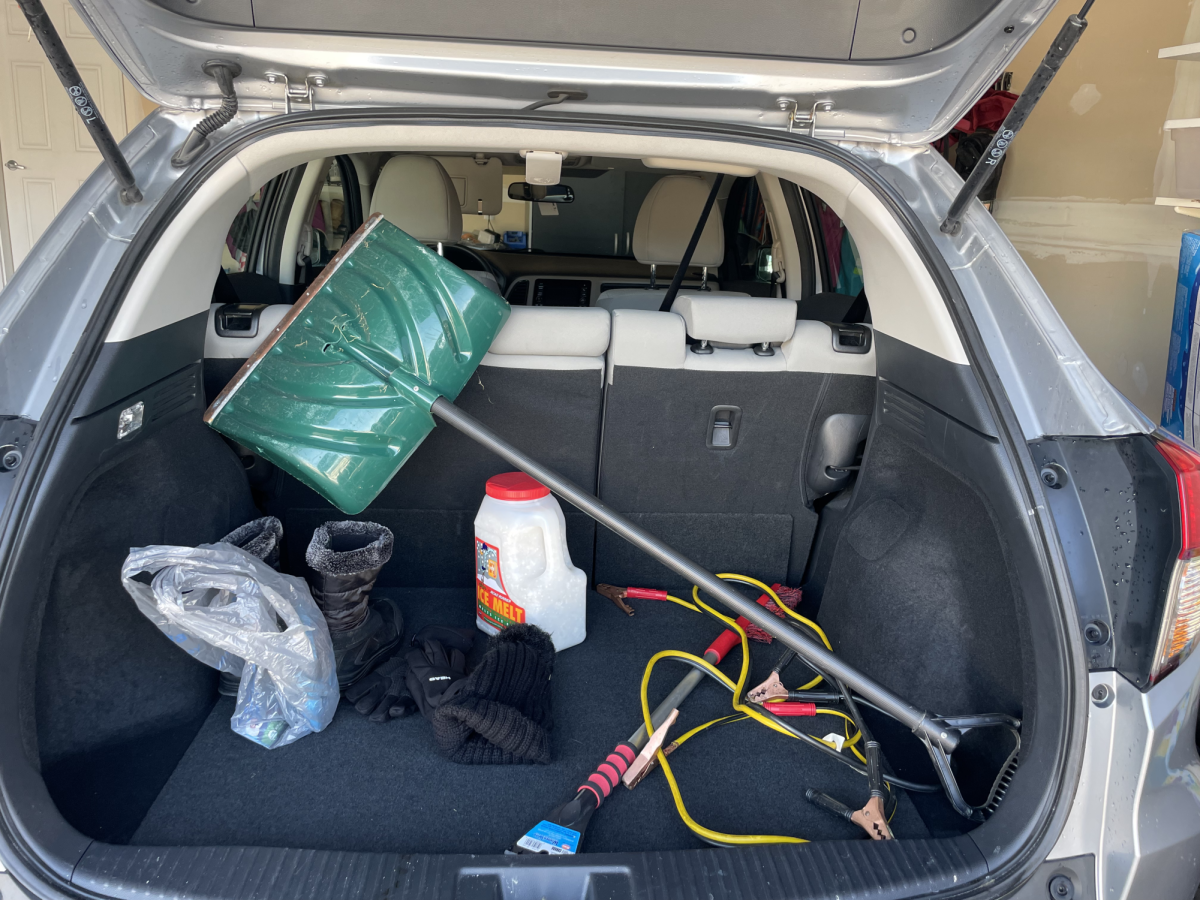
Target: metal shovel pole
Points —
{"points": [[923, 723]]}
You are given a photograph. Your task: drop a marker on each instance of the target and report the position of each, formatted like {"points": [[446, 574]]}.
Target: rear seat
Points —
{"points": [[540, 386], [709, 412]]}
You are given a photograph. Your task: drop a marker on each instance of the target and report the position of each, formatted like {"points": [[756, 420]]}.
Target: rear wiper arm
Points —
{"points": [[1064, 43]]}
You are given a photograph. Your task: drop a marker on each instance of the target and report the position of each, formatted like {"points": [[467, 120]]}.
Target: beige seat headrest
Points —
{"points": [[667, 219], [553, 331], [416, 195], [737, 320]]}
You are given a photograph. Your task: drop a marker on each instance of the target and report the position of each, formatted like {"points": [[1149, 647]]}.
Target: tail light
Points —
{"points": [[1181, 614]]}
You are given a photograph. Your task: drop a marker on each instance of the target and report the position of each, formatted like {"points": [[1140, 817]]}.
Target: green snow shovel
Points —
{"points": [[347, 386], [338, 395]]}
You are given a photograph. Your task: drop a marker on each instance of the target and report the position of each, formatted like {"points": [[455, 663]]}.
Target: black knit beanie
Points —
{"points": [[502, 714]]}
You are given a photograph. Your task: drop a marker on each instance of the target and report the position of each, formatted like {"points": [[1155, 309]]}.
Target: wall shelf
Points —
{"points": [[1184, 52]]}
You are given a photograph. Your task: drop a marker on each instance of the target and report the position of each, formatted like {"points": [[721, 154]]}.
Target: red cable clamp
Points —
{"points": [[645, 593], [791, 708], [618, 594]]}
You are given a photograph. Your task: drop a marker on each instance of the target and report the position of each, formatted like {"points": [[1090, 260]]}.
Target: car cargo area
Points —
{"points": [[761, 426], [905, 572]]}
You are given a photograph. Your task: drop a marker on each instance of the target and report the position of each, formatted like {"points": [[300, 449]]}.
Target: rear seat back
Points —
{"points": [[541, 387], [708, 414]]}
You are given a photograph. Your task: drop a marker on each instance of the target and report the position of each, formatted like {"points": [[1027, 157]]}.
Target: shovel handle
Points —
{"points": [[924, 724]]}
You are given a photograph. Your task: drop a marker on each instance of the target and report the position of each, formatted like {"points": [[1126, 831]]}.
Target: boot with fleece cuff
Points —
{"points": [[262, 538], [344, 559], [501, 713]]}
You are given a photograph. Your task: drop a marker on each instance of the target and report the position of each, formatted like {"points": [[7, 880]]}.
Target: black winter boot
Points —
{"points": [[344, 559], [262, 538]]}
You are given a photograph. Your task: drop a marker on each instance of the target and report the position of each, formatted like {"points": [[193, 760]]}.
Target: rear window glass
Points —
{"points": [[600, 221]]}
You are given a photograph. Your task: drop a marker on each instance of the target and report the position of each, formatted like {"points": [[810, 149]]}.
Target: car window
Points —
{"points": [[842, 263], [748, 239], [328, 226], [238, 242]]}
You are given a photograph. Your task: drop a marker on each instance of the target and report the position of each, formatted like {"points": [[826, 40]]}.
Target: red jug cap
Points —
{"points": [[515, 486]]}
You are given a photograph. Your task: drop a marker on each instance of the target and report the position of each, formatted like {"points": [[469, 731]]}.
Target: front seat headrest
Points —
{"points": [[416, 195], [667, 219]]}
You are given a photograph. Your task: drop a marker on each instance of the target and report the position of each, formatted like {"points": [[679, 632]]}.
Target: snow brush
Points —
{"points": [[346, 387]]}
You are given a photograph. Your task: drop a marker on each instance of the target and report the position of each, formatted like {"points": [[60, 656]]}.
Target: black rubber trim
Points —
{"points": [[1009, 865], [802, 227], [351, 193], [848, 870], [818, 240]]}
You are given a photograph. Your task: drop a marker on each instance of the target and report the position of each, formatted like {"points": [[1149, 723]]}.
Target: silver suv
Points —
{"points": [[980, 524]]}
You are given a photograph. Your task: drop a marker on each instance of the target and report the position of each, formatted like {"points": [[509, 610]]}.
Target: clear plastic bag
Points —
{"points": [[223, 605]]}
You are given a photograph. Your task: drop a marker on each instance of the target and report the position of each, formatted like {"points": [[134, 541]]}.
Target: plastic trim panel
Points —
{"points": [[843, 869]]}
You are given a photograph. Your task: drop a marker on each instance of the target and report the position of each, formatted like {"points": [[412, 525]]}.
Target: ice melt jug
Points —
{"points": [[523, 572]]}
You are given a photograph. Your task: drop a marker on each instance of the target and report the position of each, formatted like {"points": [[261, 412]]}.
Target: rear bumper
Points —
{"points": [[1137, 806]]}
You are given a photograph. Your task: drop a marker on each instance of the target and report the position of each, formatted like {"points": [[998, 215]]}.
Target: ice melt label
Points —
{"points": [[546, 837], [492, 602]]}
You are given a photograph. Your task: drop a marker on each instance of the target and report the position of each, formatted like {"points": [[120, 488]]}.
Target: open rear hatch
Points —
{"points": [[867, 69]]}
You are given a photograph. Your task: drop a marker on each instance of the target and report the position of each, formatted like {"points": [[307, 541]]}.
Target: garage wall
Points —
{"points": [[1077, 194]]}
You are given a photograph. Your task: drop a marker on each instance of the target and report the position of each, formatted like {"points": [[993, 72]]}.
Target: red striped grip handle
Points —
{"points": [[608, 774]]}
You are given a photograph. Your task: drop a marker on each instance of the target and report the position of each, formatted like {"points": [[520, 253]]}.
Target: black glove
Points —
{"points": [[383, 695], [438, 666]]}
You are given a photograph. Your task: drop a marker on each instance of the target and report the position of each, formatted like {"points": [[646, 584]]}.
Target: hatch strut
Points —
{"points": [[40, 24], [1064, 43]]}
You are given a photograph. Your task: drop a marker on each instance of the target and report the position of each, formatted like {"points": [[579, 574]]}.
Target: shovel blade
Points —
{"points": [[338, 395]]}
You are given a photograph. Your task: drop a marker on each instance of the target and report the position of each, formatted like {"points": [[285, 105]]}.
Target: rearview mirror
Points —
{"points": [[541, 193]]}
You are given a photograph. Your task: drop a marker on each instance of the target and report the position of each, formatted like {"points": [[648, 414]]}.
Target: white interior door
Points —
{"points": [[45, 147]]}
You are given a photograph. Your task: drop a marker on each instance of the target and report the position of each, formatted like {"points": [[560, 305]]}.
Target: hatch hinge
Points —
{"points": [[298, 93], [806, 118]]}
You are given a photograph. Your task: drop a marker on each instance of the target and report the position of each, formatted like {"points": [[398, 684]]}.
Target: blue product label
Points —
{"points": [[1180, 390], [546, 837]]}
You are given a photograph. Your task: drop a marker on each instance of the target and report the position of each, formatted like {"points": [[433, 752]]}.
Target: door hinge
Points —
{"points": [[298, 93], [804, 118]]}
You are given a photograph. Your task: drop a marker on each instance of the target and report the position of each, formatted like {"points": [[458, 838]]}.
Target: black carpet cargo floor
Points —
{"points": [[383, 787]]}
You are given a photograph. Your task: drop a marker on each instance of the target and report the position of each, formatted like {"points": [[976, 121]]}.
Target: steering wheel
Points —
{"points": [[482, 261]]}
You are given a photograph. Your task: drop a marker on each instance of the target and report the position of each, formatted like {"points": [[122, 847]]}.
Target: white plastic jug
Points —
{"points": [[523, 572]]}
